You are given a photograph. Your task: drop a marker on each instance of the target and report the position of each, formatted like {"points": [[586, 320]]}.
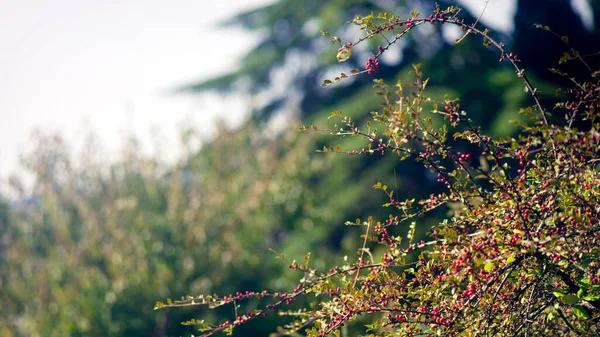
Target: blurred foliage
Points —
{"points": [[93, 247], [90, 251]]}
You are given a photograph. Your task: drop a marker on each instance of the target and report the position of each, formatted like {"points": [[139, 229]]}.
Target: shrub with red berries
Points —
{"points": [[519, 253]]}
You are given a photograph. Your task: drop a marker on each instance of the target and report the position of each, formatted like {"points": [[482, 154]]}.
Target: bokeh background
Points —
{"points": [[150, 150]]}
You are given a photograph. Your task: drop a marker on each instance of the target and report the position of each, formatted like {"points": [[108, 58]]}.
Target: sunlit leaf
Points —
{"points": [[344, 53]]}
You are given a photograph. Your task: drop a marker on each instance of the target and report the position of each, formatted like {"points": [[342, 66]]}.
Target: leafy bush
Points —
{"points": [[518, 253]]}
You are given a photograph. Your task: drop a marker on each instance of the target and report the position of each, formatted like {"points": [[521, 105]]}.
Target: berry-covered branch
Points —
{"points": [[517, 254]]}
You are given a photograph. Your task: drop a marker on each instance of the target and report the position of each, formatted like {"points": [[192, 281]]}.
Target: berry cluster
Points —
{"points": [[372, 65]]}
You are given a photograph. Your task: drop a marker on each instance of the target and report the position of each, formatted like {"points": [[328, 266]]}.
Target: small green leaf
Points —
{"points": [[564, 58], [326, 82], [537, 25], [511, 258], [583, 282], [489, 266], [591, 297], [559, 293], [580, 312], [570, 299], [344, 53]]}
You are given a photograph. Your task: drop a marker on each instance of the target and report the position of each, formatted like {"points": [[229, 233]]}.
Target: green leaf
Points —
{"points": [[511, 258], [344, 54], [559, 293], [591, 297], [581, 312], [489, 266], [326, 82], [570, 299]]}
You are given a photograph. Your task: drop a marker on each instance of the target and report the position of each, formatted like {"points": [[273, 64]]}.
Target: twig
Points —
{"points": [[476, 22]]}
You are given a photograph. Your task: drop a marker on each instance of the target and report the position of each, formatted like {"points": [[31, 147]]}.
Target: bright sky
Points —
{"points": [[499, 13], [106, 66]]}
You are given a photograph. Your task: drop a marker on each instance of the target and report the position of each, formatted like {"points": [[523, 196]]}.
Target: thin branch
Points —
{"points": [[476, 22]]}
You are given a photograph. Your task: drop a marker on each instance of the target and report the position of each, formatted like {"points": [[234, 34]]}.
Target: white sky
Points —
{"points": [[105, 66], [498, 14]]}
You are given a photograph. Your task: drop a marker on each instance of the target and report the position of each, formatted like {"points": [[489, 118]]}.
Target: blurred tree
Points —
{"points": [[93, 247]]}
